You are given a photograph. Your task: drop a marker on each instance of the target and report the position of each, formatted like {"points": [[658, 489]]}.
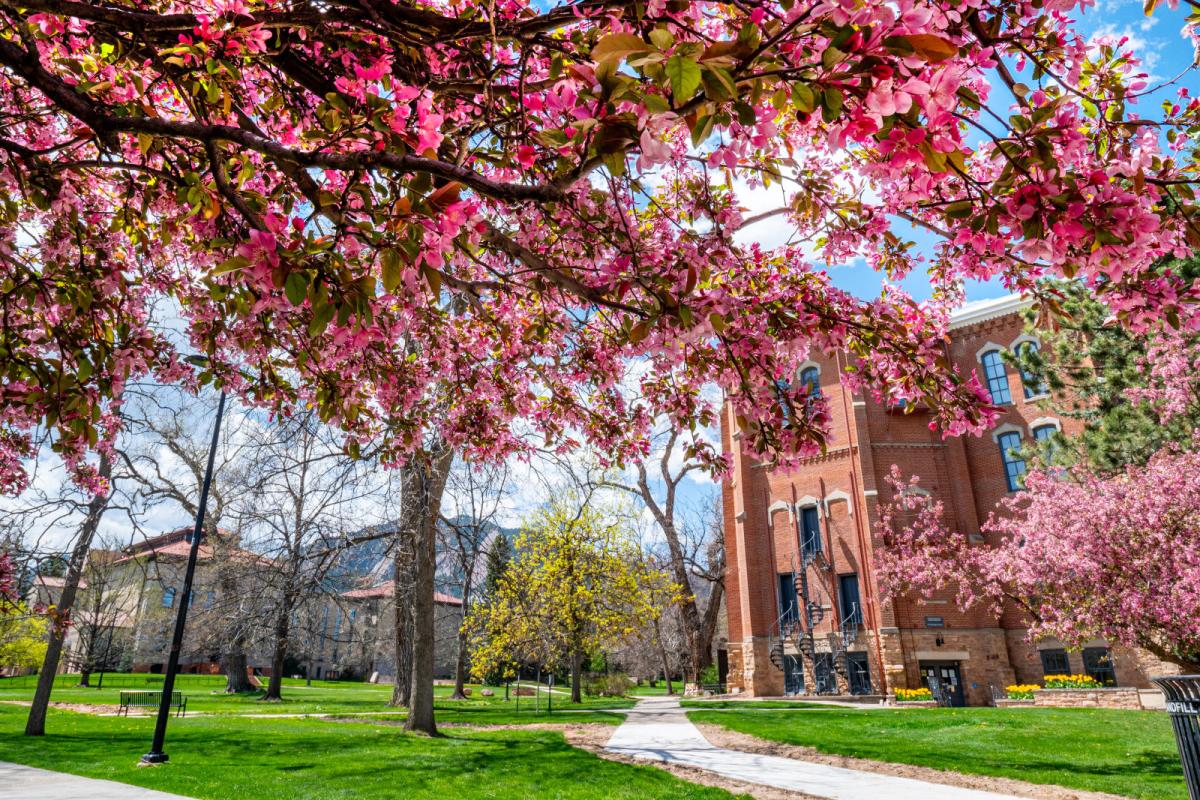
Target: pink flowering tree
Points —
{"points": [[1082, 556], [461, 221]]}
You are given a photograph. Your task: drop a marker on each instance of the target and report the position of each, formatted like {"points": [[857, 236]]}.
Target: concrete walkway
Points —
{"points": [[658, 729], [18, 782]]}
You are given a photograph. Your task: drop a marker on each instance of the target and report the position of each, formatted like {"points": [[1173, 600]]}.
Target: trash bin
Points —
{"points": [[1183, 704]]}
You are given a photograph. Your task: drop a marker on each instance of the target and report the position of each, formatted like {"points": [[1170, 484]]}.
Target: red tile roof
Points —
{"points": [[386, 588]]}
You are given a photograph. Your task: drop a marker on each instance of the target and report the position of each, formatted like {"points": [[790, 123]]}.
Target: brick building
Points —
{"points": [[799, 544]]}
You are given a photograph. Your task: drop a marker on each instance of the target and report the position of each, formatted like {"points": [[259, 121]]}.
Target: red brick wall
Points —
{"points": [[966, 474]]}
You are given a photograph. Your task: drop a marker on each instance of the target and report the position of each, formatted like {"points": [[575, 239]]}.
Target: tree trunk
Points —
{"points": [[576, 677], [708, 629], [237, 679], [460, 665], [402, 616], [85, 677], [432, 484], [666, 663], [282, 629], [36, 724]]}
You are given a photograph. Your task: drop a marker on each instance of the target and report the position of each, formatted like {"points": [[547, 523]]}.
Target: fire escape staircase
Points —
{"points": [[799, 630]]}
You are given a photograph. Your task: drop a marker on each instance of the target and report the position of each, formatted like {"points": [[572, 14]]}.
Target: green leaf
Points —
{"points": [[391, 270], [296, 288], [662, 38], [718, 83], [959, 210], [684, 74], [232, 264], [931, 48], [832, 104], [617, 46], [803, 98], [322, 316]]}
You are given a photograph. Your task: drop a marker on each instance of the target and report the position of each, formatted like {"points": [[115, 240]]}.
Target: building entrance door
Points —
{"points": [[793, 675], [944, 679]]}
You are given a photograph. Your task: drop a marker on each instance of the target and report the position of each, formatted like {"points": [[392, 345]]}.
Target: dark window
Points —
{"points": [[996, 376], [1055, 662], [1014, 465], [810, 531], [810, 377], [789, 603], [858, 673], [1030, 383], [823, 673], [168, 600], [793, 675], [848, 595], [1097, 662]]}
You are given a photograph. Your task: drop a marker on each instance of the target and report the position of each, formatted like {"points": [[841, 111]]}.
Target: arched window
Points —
{"points": [[1044, 436], [1014, 465], [810, 378], [1029, 382], [168, 600], [1045, 432], [996, 376]]}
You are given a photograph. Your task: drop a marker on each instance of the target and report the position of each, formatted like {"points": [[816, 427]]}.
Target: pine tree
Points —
{"points": [[1089, 363]]}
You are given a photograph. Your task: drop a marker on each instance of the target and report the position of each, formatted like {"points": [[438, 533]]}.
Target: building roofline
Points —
{"points": [[984, 310]]}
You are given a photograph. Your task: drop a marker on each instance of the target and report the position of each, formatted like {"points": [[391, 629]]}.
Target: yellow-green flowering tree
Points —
{"points": [[577, 583], [22, 638]]}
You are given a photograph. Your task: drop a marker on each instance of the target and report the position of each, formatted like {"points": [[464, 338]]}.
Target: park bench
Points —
{"points": [[151, 700]]}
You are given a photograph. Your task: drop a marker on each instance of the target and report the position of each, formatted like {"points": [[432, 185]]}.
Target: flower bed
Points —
{"points": [[1072, 682], [1021, 691], [921, 695]]}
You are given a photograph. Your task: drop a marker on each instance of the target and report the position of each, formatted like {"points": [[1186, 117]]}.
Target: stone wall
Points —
{"points": [[1120, 697]]}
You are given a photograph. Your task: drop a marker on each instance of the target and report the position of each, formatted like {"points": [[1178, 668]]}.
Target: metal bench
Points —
{"points": [[152, 700]]}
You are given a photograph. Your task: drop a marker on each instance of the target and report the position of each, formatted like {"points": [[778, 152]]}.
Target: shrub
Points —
{"points": [[1021, 691], [617, 684], [710, 675], [1071, 682], [913, 695]]}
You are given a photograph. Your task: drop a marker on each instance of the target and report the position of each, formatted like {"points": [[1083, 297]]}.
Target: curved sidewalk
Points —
{"points": [[19, 782], [658, 729]]}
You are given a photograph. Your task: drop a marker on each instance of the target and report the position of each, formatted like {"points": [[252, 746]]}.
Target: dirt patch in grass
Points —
{"points": [[733, 740], [593, 737], [81, 708]]}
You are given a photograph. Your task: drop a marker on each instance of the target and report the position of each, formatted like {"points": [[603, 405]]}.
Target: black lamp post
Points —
{"points": [[156, 754]]}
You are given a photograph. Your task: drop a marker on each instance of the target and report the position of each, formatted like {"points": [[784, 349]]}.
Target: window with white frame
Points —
{"points": [[996, 375], [1030, 383], [810, 378], [1014, 465]]}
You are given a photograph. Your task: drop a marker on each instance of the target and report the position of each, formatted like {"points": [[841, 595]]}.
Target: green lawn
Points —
{"points": [[1128, 753], [753, 705], [204, 694], [309, 759]]}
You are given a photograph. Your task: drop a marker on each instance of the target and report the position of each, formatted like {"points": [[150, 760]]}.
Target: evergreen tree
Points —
{"points": [[1090, 363]]}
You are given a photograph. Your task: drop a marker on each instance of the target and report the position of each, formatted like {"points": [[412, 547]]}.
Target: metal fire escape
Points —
{"points": [[800, 629]]}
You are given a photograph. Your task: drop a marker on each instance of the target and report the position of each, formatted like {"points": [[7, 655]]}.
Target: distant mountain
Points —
{"points": [[368, 563]]}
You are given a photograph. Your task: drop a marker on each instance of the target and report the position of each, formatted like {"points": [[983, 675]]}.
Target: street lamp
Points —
{"points": [[156, 754]]}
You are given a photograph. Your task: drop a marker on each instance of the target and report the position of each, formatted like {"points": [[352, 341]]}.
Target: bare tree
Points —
{"points": [[306, 494], [101, 628], [655, 483], [477, 493], [93, 510], [167, 466]]}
